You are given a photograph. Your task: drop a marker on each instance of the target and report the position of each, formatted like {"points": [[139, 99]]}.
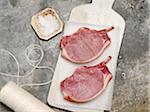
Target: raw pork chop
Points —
{"points": [[86, 83], [85, 45]]}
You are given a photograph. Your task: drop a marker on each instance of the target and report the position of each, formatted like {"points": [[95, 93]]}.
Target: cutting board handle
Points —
{"points": [[106, 3]]}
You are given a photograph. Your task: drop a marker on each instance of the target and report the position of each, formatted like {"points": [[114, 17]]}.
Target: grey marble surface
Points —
{"points": [[132, 84]]}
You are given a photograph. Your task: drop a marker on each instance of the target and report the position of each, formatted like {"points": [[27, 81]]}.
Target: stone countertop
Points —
{"points": [[132, 83]]}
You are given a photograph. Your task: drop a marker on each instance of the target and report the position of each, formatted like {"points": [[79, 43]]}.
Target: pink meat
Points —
{"points": [[86, 83], [85, 45]]}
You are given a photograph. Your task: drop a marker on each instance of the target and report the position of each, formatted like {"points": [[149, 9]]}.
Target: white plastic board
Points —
{"points": [[100, 12]]}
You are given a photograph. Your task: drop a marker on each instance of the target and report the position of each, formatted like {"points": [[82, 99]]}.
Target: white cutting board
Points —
{"points": [[100, 12]]}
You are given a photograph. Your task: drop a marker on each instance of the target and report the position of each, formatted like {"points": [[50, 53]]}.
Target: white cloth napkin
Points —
{"points": [[65, 68]]}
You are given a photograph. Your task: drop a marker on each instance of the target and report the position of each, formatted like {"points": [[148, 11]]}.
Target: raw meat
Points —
{"points": [[85, 45], [86, 83]]}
